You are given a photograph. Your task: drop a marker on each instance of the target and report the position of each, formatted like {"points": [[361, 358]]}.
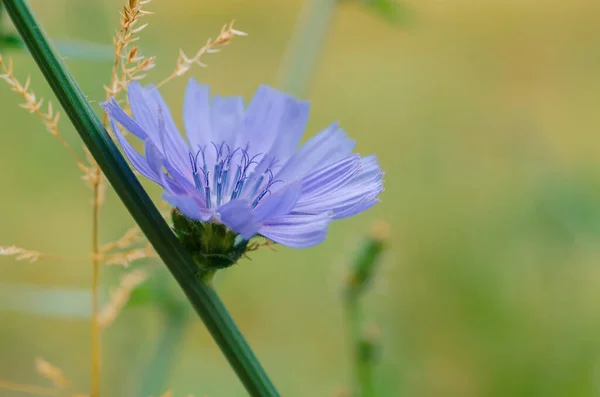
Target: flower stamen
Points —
{"points": [[267, 188], [193, 162]]}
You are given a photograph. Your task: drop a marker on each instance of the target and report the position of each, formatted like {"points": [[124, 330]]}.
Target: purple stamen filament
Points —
{"points": [[222, 185]]}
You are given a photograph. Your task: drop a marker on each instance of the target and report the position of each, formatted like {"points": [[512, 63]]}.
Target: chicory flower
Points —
{"points": [[243, 167]]}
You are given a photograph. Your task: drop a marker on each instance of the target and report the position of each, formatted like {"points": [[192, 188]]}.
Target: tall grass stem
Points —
{"points": [[202, 297]]}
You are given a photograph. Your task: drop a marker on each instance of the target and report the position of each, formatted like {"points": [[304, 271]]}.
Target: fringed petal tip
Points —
{"points": [[298, 230]]}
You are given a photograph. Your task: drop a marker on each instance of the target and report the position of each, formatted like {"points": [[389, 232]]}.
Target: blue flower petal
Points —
{"points": [[137, 160], [189, 205], [155, 161], [260, 120], [369, 169], [292, 126], [196, 115], [273, 123], [123, 118], [330, 179], [142, 112], [175, 148], [297, 230], [279, 203], [354, 209], [238, 216], [184, 184], [356, 195], [153, 156], [152, 113], [327, 147], [226, 114]]}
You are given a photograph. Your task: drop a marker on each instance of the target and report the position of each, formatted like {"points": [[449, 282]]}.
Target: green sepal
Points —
{"points": [[212, 245]]}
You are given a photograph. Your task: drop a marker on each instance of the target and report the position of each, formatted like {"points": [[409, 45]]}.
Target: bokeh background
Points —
{"points": [[484, 115]]}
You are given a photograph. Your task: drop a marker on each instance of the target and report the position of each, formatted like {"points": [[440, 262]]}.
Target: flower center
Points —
{"points": [[223, 174]]}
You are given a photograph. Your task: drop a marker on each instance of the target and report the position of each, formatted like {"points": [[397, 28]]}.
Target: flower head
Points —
{"points": [[241, 167]]}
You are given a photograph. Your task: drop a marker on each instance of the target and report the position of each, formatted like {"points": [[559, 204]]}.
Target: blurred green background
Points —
{"points": [[484, 115]]}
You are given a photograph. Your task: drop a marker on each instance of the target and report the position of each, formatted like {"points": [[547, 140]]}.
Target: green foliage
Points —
{"points": [[392, 10], [159, 293], [364, 341], [67, 48], [10, 41], [70, 49], [364, 265]]}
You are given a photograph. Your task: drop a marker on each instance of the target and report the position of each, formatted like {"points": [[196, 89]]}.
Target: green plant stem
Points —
{"points": [[175, 322], [204, 300], [307, 39], [1, 27], [364, 347], [360, 348]]}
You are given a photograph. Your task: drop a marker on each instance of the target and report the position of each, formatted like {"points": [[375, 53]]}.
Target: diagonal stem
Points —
{"points": [[306, 43], [96, 350], [1, 12], [204, 300], [29, 389], [364, 345], [363, 367], [175, 323]]}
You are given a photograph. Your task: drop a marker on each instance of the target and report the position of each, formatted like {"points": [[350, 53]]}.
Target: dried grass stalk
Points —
{"points": [[29, 389], [34, 105], [130, 237], [126, 258], [129, 63], [120, 296], [184, 63], [169, 393], [21, 254], [51, 372]]}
